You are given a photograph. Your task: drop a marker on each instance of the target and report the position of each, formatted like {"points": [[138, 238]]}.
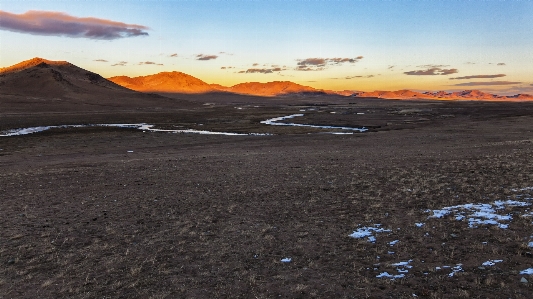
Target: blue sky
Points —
{"points": [[416, 45]]}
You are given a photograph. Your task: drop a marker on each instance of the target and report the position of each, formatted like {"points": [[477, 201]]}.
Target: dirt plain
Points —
{"points": [[120, 213]]}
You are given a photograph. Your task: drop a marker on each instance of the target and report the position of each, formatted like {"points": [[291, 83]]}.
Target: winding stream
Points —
{"points": [[150, 128]]}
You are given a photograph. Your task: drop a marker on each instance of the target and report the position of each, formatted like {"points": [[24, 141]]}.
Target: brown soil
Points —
{"points": [[201, 216]]}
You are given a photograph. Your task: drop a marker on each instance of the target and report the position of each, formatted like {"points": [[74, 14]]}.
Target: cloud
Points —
{"points": [[479, 77], [432, 71], [174, 55], [100, 60], [206, 57], [262, 71], [255, 64], [122, 63], [149, 62], [318, 64], [241, 72], [62, 24], [430, 66], [501, 63], [487, 83]]}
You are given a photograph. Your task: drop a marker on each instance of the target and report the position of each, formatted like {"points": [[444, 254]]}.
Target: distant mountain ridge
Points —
{"points": [[442, 95], [177, 82], [40, 77]]}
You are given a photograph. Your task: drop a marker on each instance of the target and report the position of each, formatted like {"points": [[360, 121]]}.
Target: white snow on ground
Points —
{"points": [[527, 271], [457, 268], [276, 122], [523, 189], [479, 214], [368, 232], [140, 126], [403, 266], [286, 260], [530, 244], [386, 274], [491, 262], [419, 224], [392, 243]]}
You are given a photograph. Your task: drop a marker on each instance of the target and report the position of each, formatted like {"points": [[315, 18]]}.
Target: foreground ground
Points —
{"points": [[117, 213]]}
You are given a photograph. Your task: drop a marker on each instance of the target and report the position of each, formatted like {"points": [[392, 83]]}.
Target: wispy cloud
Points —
{"points": [[62, 24], [206, 57], [263, 71], [432, 72], [100, 60], [255, 64], [174, 55], [487, 83], [149, 63], [121, 63], [318, 64], [227, 67], [353, 77], [429, 66], [479, 77], [500, 63]]}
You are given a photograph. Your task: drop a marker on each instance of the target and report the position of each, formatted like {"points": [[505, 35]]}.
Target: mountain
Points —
{"points": [[275, 88], [177, 82], [45, 78], [45, 85], [165, 82], [442, 95]]}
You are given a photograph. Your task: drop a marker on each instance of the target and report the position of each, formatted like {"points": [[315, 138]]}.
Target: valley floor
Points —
{"points": [[121, 213]]}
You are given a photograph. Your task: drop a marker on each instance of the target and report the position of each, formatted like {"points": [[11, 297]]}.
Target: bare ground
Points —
{"points": [[117, 213]]}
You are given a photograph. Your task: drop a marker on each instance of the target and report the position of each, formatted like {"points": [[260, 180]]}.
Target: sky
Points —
{"points": [[361, 45]]}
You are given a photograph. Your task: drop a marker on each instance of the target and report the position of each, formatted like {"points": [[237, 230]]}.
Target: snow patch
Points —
{"points": [[480, 214], [491, 262], [368, 232]]}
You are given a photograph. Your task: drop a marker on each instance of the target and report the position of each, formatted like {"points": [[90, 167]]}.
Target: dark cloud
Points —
{"points": [[487, 83], [206, 57], [223, 68], [318, 64], [121, 63], [61, 24], [478, 77], [241, 72], [100, 60], [432, 71], [255, 64], [174, 55], [391, 67], [149, 62], [500, 63]]}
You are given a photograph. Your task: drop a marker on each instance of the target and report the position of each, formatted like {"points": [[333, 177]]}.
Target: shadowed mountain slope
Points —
{"points": [[43, 85]]}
